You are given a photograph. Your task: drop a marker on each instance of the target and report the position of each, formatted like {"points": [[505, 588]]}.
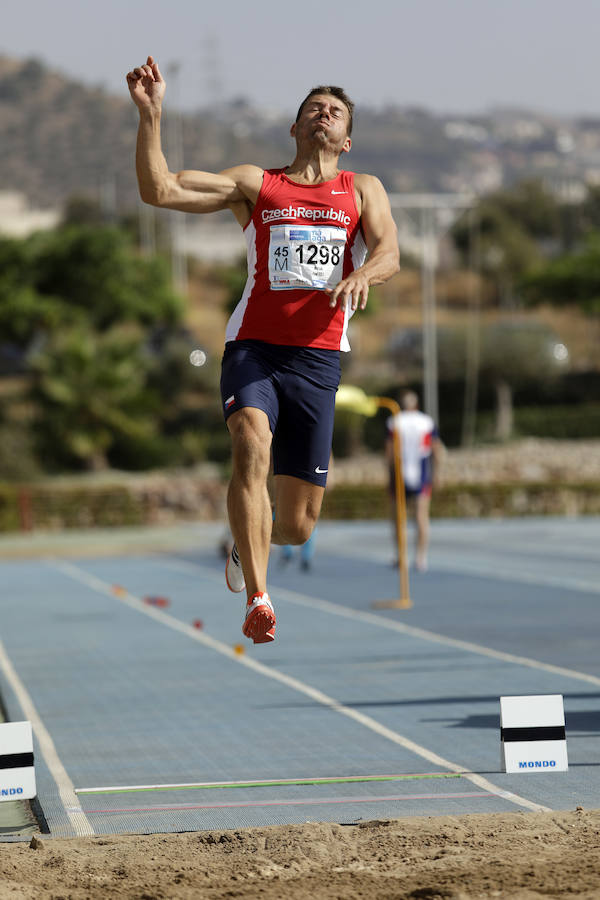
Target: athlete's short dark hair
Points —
{"points": [[338, 92]]}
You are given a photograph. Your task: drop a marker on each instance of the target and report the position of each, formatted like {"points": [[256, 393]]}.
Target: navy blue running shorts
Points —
{"points": [[295, 387]]}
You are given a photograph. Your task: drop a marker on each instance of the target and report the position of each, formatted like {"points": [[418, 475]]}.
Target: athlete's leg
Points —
{"points": [[248, 502], [297, 508], [422, 517], [307, 551], [287, 554]]}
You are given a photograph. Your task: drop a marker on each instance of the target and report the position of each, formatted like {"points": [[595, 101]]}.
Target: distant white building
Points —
{"points": [[18, 219]]}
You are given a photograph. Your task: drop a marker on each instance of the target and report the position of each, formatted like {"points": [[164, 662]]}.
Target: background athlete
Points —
{"points": [[422, 457], [309, 228]]}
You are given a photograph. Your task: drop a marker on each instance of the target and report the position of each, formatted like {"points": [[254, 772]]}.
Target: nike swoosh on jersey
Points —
{"points": [[339, 192], [320, 471]]}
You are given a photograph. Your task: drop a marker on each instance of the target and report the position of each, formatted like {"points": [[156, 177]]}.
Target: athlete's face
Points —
{"points": [[323, 121]]}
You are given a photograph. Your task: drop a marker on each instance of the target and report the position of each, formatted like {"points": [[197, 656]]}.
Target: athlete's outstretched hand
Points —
{"points": [[146, 85]]}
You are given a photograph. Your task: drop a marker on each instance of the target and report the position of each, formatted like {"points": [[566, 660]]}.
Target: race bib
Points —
{"points": [[306, 257]]}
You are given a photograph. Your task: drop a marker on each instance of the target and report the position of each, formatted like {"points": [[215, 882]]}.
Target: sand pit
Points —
{"points": [[520, 855]]}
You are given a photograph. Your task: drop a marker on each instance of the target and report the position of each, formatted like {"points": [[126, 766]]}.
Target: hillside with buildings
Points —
{"points": [[60, 138]]}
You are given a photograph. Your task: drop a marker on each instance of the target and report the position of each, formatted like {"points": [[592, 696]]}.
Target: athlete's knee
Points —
{"points": [[295, 528], [251, 444], [293, 532]]}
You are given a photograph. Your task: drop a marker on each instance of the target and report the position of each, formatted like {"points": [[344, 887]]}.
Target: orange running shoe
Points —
{"points": [[259, 624]]}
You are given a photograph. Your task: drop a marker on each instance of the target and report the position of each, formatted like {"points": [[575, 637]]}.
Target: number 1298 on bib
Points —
{"points": [[308, 258]]}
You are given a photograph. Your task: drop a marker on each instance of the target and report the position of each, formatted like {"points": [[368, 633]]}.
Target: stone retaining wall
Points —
{"points": [[528, 460], [529, 477]]}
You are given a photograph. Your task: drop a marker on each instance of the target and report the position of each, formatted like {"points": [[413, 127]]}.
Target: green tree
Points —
{"points": [[509, 227], [531, 206], [99, 271], [90, 391], [24, 313], [85, 311], [18, 461], [81, 274], [511, 353], [516, 353], [573, 278]]}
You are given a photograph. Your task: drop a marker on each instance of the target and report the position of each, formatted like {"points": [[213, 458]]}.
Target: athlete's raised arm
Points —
{"points": [[188, 191], [381, 236]]}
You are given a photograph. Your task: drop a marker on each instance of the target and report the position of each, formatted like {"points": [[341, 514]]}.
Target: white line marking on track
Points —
{"points": [[434, 637], [65, 786], [445, 560], [422, 633], [521, 548], [295, 684], [445, 563]]}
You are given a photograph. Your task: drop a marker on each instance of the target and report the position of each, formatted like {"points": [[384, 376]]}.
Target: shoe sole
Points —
{"points": [[227, 582], [260, 625]]}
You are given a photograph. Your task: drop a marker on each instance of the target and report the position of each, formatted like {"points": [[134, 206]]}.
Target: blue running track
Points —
{"points": [[148, 718]]}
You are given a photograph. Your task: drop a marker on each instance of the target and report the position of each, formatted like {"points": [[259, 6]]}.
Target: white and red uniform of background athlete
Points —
{"points": [[296, 317], [417, 432]]}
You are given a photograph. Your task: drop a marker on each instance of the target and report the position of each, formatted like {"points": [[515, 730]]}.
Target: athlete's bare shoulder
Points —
{"points": [[368, 184], [369, 190], [364, 179]]}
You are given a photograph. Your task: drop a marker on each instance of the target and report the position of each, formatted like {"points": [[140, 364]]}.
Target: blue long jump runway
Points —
{"points": [[145, 723]]}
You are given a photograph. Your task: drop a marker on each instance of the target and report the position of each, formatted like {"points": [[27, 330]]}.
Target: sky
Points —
{"points": [[449, 56]]}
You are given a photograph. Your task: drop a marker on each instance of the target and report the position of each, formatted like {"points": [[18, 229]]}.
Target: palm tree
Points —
{"points": [[90, 389]]}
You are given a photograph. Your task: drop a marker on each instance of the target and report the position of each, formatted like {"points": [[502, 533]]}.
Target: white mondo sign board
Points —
{"points": [[17, 774], [532, 734]]}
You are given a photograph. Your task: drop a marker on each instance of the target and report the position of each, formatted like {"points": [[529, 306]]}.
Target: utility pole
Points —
{"points": [[429, 261], [473, 351], [437, 212]]}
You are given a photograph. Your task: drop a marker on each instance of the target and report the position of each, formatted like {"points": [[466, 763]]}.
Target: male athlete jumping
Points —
{"points": [[309, 228]]}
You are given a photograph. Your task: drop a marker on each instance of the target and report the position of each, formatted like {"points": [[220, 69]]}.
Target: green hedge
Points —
{"points": [[562, 422], [358, 501], [471, 500], [47, 507], [54, 508], [575, 422], [10, 519]]}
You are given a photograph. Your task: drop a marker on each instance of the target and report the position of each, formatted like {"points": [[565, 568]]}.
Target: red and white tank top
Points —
{"points": [[300, 240], [417, 431]]}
